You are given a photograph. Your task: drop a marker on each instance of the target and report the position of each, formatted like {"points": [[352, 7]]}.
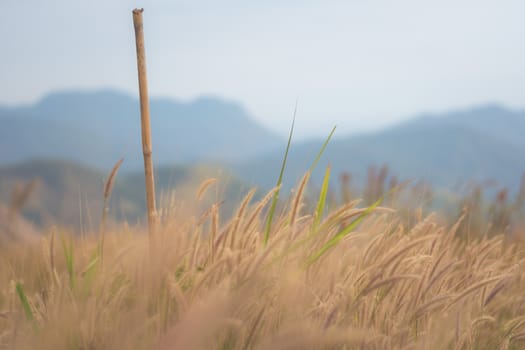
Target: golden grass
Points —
{"points": [[217, 285]]}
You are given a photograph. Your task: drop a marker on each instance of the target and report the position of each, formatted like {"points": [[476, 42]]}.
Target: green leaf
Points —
{"points": [[323, 148], [25, 305], [90, 271], [275, 198], [68, 254], [321, 203], [342, 234], [25, 302]]}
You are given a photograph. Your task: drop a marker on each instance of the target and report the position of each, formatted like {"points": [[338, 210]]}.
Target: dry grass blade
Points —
{"points": [[298, 199]]}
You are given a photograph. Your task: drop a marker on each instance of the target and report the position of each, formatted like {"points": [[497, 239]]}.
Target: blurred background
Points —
{"points": [[430, 92]]}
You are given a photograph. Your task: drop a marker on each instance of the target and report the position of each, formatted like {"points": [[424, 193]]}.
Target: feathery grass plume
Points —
{"points": [[260, 206], [406, 247], [431, 305], [214, 230], [297, 202], [476, 287], [387, 281], [240, 216], [495, 290], [108, 188], [512, 331], [204, 187], [481, 320], [208, 213], [334, 218]]}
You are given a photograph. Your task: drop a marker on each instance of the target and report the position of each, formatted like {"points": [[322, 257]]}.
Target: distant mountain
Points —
{"points": [[70, 194], [98, 128], [479, 144]]}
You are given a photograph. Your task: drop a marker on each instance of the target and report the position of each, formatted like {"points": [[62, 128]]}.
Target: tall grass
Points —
{"points": [[380, 282]]}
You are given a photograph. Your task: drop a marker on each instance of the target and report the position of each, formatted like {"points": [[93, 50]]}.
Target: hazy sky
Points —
{"points": [[356, 63]]}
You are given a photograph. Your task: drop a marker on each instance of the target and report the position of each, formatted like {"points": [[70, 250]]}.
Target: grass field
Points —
{"points": [[351, 278]]}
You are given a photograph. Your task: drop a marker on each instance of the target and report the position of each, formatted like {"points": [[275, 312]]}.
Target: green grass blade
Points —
{"points": [[25, 302], [90, 272], [275, 198], [322, 199], [321, 151], [68, 254], [342, 234], [95, 258]]}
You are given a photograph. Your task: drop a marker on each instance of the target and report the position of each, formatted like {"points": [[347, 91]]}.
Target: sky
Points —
{"points": [[357, 64]]}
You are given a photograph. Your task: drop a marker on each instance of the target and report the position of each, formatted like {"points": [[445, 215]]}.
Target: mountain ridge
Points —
{"points": [[107, 123], [99, 127], [477, 144]]}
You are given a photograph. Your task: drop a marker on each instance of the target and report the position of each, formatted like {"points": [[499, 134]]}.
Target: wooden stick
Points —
{"points": [[145, 123]]}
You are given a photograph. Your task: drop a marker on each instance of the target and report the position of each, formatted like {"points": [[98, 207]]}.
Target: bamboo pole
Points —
{"points": [[145, 124]]}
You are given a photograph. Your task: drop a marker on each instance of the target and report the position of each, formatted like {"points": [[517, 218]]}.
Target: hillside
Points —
{"points": [[70, 194], [98, 128], [479, 144]]}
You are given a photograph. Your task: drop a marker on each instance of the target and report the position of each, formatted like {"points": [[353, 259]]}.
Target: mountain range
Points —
{"points": [[480, 144], [71, 139], [98, 128]]}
